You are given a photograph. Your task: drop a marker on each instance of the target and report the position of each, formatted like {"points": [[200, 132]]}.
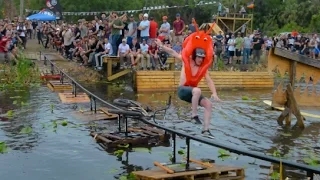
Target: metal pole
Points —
{"points": [[173, 160], [188, 153], [126, 126]]}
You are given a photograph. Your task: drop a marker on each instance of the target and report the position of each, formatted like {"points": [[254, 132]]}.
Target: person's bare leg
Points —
{"points": [[207, 104], [196, 93]]}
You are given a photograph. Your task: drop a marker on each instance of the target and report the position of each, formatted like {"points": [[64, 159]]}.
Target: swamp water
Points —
{"points": [[45, 140]]}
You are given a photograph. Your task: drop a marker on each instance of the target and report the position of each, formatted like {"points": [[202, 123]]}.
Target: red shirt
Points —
{"points": [[4, 43], [152, 49], [178, 26], [153, 29]]}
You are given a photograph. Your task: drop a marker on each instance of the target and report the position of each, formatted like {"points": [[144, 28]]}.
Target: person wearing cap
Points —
{"points": [[258, 45], [116, 26], [144, 27], [193, 94], [178, 29], [123, 53], [164, 28], [132, 29]]}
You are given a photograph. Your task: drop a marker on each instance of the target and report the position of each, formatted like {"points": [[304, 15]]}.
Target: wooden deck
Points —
{"points": [[169, 80], [70, 98], [215, 172], [58, 86]]}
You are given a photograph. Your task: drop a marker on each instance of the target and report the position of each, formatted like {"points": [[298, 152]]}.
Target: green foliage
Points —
{"points": [[23, 73], [26, 130], [3, 147]]}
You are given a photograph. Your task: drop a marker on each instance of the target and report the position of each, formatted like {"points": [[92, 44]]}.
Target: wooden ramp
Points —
{"points": [[169, 80], [218, 172], [135, 136], [58, 86], [70, 98]]}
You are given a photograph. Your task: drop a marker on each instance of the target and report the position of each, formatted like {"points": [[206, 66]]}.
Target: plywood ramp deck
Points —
{"points": [[169, 80], [217, 172]]}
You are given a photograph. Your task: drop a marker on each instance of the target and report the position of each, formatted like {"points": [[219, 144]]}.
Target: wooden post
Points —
{"points": [[291, 107], [109, 67]]}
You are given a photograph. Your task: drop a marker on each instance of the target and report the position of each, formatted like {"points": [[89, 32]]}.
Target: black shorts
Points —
{"points": [[238, 52], [185, 94], [231, 53]]}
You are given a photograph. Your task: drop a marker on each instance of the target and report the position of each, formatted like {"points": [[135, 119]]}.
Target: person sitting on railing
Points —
{"points": [[108, 51], [123, 53], [153, 52], [135, 52], [145, 59]]}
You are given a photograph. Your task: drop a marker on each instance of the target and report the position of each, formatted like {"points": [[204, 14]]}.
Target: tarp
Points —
{"points": [[42, 17]]}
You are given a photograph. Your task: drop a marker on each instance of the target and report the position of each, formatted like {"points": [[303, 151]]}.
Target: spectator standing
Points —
{"points": [[247, 43], [178, 29], [164, 28], [116, 25], [238, 46], [258, 45], [132, 29], [144, 27], [153, 29]]}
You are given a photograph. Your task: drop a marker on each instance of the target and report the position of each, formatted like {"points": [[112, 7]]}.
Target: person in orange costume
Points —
{"points": [[197, 56]]}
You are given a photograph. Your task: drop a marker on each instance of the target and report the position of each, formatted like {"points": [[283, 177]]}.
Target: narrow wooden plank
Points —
{"points": [[161, 174], [158, 131], [111, 136], [119, 74]]}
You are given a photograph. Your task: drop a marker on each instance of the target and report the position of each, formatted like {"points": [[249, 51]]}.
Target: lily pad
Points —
{"points": [[26, 130], [245, 98], [3, 147]]}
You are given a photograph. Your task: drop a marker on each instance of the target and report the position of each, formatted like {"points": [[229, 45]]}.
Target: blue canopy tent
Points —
{"points": [[42, 17]]}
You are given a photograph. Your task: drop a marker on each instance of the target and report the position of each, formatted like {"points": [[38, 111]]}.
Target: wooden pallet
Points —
{"points": [[136, 136], [102, 114], [70, 98], [58, 86], [218, 172]]}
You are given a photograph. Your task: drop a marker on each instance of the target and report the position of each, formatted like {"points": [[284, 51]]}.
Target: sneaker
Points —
{"points": [[206, 133], [196, 120]]}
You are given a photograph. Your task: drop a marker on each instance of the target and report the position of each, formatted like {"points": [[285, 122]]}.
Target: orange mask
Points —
{"points": [[198, 39]]}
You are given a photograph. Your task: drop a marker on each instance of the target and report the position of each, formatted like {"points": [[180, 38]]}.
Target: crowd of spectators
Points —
{"points": [[132, 40], [304, 44], [14, 33]]}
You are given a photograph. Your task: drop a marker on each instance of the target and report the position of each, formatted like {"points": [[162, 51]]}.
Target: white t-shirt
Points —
{"points": [[22, 34], [108, 47], [145, 32], [123, 48], [144, 48], [231, 47]]}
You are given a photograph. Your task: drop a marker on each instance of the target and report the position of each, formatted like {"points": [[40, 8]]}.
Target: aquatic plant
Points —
{"points": [[21, 73], [3, 147]]}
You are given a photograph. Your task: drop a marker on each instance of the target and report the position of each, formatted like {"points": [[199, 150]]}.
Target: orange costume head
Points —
{"points": [[198, 39]]}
